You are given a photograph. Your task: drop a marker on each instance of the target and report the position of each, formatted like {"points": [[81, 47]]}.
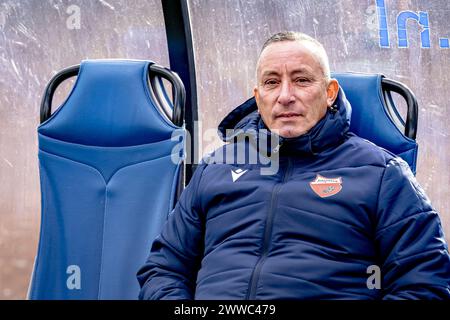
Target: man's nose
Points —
{"points": [[286, 96]]}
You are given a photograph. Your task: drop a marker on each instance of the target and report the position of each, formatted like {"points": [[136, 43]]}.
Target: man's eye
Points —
{"points": [[302, 80], [270, 82]]}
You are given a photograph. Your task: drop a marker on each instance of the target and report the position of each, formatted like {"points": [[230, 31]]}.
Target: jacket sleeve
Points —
{"points": [[409, 236], [170, 271]]}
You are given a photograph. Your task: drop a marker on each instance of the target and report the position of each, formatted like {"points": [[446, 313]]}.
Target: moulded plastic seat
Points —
{"points": [[109, 171], [374, 114]]}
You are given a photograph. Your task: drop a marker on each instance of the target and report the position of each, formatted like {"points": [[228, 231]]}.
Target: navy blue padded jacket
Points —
{"points": [[337, 208]]}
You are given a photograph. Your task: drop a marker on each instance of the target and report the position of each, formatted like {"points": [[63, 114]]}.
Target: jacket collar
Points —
{"points": [[329, 131]]}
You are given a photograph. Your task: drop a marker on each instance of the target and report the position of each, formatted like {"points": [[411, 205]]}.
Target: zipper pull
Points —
{"points": [[277, 148]]}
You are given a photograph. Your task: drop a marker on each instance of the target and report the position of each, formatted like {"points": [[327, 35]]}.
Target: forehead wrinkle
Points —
{"points": [[270, 73], [302, 70]]}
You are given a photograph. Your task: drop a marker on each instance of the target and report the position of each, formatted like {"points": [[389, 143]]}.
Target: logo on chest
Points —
{"points": [[236, 174], [326, 187]]}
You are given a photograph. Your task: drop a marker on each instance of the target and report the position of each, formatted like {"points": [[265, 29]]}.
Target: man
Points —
{"points": [[239, 234]]}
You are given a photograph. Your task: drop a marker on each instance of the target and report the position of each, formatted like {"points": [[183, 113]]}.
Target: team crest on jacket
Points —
{"points": [[326, 187]]}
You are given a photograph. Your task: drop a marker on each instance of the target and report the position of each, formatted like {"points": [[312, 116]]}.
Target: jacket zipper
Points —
{"points": [[251, 292]]}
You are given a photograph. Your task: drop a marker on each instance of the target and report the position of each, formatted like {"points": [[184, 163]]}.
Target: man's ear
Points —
{"points": [[332, 91], [256, 95]]}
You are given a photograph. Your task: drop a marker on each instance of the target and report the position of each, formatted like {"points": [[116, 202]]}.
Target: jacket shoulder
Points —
{"points": [[365, 152]]}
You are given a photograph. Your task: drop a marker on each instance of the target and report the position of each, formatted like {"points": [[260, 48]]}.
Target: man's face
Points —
{"points": [[292, 93]]}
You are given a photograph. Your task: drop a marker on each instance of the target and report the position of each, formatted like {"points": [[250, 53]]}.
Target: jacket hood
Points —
{"points": [[330, 130]]}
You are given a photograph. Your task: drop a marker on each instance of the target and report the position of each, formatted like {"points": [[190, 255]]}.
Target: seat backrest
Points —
{"points": [[109, 174], [374, 116]]}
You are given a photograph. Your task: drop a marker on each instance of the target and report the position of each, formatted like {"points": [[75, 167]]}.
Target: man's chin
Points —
{"points": [[290, 133], [289, 129]]}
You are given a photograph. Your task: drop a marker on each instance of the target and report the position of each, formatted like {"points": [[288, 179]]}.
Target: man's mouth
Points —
{"points": [[288, 115]]}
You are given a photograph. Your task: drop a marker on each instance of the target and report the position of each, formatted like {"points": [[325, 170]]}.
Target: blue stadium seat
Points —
{"points": [[374, 114], [110, 161]]}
